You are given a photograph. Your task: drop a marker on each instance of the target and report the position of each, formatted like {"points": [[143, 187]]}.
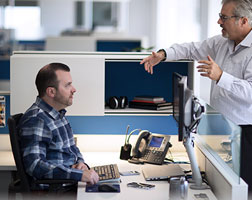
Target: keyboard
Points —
{"points": [[107, 173]]}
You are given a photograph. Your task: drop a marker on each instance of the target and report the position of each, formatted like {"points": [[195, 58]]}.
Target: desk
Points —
{"points": [[7, 161], [223, 186], [161, 191], [7, 166]]}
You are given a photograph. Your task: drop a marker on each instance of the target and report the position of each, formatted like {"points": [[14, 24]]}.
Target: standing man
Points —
{"points": [[47, 142], [227, 61]]}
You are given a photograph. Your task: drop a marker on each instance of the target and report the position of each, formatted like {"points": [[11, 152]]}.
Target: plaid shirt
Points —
{"points": [[47, 143]]}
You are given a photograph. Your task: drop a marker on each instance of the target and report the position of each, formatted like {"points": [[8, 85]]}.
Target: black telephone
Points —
{"points": [[151, 147]]}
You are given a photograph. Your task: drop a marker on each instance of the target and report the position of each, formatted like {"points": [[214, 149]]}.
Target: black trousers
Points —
{"points": [[246, 156]]}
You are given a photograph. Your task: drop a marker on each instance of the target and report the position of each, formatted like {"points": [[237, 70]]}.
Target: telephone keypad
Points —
{"points": [[153, 156]]}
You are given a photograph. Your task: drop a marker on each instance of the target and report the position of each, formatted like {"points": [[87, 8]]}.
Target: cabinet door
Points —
{"points": [[87, 75]]}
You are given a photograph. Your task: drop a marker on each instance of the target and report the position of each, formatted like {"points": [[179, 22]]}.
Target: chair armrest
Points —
{"points": [[56, 184], [56, 181]]}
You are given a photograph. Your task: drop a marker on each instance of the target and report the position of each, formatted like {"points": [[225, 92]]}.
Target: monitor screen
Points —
{"points": [[182, 104], [176, 79]]}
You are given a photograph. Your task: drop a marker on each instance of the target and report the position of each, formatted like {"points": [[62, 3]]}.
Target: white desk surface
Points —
{"points": [[7, 161], [160, 192]]}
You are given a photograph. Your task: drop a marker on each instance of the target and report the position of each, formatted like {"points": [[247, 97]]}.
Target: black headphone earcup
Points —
{"points": [[113, 102], [198, 109], [141, 144], [123, 102]]}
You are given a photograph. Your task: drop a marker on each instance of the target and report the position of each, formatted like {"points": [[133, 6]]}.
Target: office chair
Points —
{"points": [[23, 183]]}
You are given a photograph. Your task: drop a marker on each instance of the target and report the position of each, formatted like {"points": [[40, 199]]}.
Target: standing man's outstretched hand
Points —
{"points": [[152, 60], [210, 69]]}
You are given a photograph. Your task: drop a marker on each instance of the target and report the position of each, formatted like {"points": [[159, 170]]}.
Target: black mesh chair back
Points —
{"points": [[15, 146]]}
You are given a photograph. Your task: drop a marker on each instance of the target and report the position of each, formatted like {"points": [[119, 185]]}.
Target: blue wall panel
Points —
{"points": [[5, 69], [130, 79], [117, 46], [118, 124]]}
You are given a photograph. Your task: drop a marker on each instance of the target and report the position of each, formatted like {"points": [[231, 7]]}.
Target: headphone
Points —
{"points": [[198, 111], [141, 143], [115, 102]]}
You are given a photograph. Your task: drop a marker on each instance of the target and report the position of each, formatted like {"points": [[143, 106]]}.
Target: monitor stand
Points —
{"points": [[196, 175]]}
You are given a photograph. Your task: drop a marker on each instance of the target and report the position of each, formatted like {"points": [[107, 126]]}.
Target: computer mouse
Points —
{"points": [[106, 188]]}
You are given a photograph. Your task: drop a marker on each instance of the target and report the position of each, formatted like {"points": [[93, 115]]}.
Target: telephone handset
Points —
{"points": [[151, 147]]}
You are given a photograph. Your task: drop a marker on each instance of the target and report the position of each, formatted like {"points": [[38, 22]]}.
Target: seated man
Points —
{"points": [[47, 142]]}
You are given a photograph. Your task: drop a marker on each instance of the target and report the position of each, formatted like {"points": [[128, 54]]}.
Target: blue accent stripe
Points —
{"points": [[117, 124]]}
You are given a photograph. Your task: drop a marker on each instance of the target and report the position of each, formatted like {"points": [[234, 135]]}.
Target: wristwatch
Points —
{"points": [[162, 50]]}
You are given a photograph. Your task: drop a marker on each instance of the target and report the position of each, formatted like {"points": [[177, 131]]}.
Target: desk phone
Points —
{"points": [[151, 148]]}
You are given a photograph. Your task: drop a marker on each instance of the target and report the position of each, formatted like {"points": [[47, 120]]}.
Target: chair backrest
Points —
{"points": [[16, 150]]}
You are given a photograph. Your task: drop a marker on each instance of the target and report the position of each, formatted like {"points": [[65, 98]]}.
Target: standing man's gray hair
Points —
{"points": [[243, 9]]}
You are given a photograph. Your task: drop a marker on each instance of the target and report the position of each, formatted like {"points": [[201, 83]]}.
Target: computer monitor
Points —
{"points": [[187, 118], [182, 105]]}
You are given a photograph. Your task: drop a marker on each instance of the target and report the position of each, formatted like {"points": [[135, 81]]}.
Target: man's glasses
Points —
{"points": [[224, 17]]}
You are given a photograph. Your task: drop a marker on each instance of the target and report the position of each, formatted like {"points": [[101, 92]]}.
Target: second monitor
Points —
{"points": [[187, 112]]}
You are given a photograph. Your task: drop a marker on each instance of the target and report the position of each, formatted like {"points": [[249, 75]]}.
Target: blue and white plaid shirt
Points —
{"points": [[47, 143]]}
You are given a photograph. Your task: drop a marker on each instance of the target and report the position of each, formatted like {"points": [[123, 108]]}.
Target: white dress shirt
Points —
{"points": [[232, 95]]}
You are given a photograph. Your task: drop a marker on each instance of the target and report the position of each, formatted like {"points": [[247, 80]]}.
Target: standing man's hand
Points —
{"points": [[152, 60], [90, 176], [210, 69]]}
